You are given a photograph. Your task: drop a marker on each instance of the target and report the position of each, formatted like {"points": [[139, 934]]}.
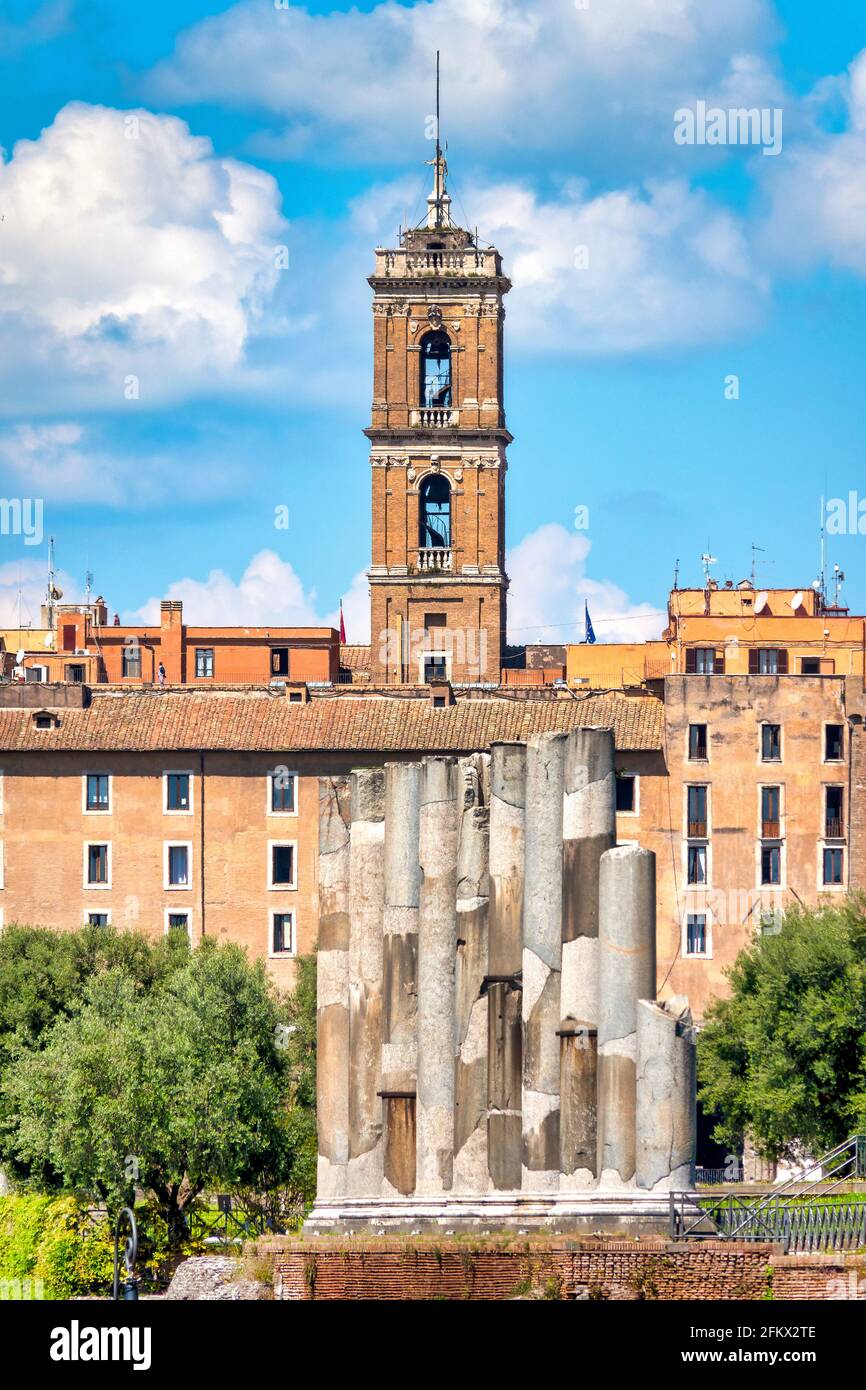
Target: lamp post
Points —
{"points": [[130, 1251]]}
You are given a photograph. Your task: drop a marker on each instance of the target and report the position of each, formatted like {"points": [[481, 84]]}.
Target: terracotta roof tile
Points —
{"points": [[175, 720]]}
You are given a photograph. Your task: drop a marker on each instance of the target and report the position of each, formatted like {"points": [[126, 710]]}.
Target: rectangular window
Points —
{"points": [[626, 793], [771, 864], [697, 864], [176, 921], [696, 934], [771, 743], [178, 792], [130, 661], [75, 674], [282, 792], [704, 661], [834, 827], [282, 934], [697, 743], [177, 866], [97, 919], [282, 865], [697, 812], [768, 661], [279, 661], [771, 819], [833, 867], [810, 666], [435, 667], [204, 661], [97, 863], [97, 793], [834, 743]]}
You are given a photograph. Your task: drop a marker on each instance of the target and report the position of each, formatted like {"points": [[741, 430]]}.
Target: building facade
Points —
{"points": [[198, 810]]}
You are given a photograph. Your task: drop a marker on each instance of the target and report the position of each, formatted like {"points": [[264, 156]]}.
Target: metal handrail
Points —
{"points": [[846, 1161]]}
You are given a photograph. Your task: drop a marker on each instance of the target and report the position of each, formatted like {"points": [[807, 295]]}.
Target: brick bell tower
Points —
{"points": [[438, 442]]}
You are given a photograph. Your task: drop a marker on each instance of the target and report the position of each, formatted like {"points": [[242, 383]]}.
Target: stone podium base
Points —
{"points": [[594, 1212]]}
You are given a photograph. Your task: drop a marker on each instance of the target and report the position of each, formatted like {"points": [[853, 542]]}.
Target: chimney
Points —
{"points": [[171, 640]]}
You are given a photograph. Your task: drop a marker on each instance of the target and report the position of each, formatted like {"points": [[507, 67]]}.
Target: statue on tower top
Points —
{"points": [[438, 203]]}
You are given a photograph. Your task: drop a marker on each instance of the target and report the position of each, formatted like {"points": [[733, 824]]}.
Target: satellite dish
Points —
{"points": [[19, 658], [761, 601], [797, 600]]}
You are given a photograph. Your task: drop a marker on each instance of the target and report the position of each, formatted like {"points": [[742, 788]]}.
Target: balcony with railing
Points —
{"points": [[834, 828], [697, 829], [395, 264], [435, 417], [770, 829], [435, 558]]}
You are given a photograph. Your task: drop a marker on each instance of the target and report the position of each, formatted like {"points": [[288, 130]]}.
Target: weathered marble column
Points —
{"points": [[589, 829], [578, 1121], [627, 966], [665, 1094], [332, 988], [542, 959], [399, 970], [366, 908], [505, 963], [437, 948], [473, 893]]}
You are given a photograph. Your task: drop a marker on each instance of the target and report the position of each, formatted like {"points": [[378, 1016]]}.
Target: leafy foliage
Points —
{"points": [[168, 1071], [784, 1057]]}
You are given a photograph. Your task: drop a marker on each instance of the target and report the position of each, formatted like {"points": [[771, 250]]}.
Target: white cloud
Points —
{"points": [[549, 586], [268, 593], [65, 464], [130, 249], [624, 271], [515, 75], [817, 195], [356, 610]]}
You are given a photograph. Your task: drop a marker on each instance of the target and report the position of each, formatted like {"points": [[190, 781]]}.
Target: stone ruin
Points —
{"points": [[490, 1049]]}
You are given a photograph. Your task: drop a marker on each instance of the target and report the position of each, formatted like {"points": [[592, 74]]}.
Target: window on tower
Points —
{"points": [[435, 369], [435, 513]]}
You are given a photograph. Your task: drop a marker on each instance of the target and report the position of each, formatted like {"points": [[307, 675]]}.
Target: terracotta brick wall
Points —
{"points": [[650, 1269]]}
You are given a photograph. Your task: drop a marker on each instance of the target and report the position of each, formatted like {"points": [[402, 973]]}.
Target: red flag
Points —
{"points": [[342, 625]]}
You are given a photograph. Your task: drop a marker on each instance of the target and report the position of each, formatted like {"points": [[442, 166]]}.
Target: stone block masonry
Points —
{"points": [[466, 1079]]}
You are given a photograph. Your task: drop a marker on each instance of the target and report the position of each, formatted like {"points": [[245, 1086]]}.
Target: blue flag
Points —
{"points": [[588, 634]]}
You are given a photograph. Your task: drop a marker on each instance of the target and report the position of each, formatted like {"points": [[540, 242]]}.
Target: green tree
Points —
{"points": [[784, 1056], [175, 1088], [43, 973]]}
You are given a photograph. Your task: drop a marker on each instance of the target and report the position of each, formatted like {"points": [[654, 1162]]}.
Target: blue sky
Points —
{"points": [[155, 156]]}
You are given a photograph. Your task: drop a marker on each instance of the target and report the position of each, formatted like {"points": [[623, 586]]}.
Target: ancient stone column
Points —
{"points": [[665, 1094], [366, 908], [542, 959], [437, 947], [399, 972], [578, 1099], [505, 964], [589, 829], [473, 892], [332, 988], [627, 897]]}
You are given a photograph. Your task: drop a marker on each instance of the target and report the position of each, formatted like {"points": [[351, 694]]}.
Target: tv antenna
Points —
{"points": [[706, 561]]}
